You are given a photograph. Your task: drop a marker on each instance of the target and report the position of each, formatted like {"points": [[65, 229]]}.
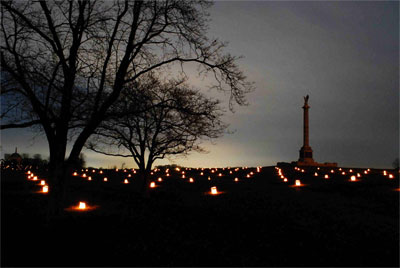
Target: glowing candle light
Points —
{"points": [[326, 176], [183, 176], [183, 172], [230, 172], [212, 171], [82, 205], [391, 176], [152, 184], [90, 178], [101, 172], [45, 189], [177, 169], [129, 175], [285, 179], [302, 170], [167, 175], [353, 178], [219, 175], [126, 181], [236, 179], [369, 170], [298, 183], [332, 171], [84, 175], [282, 177], [358, 175], [105, 179], [214, 190], [93, 171], [343, 173], [315, 174], [318, 168], [35, 178], [201, 174], [365, 172], [209, 178], [29, 172], [151, 173], [42, 182], [160, 179], [340, 169], [384, 173], [191, 180], [75, 174], [251, 173], [248, 176], [351, 170]]}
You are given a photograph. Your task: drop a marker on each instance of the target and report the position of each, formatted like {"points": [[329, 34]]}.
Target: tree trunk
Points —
{"points": [[56, 180], [56, 189]]}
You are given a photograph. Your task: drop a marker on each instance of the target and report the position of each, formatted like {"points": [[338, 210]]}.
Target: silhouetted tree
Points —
{"points": [[154, 120], [65, 63]]}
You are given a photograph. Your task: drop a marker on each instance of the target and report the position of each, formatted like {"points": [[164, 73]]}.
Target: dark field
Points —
{"points": [[258, 221]]}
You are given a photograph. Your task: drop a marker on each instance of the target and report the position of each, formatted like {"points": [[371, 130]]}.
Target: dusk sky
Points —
{"points": [[345, 55]]}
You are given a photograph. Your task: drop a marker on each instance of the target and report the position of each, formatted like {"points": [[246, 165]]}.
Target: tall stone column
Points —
{"points": [[305, 125], [306, 151]]}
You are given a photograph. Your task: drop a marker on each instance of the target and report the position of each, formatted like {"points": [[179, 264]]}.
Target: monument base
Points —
{"points": [[305, 164], [313, 164]]}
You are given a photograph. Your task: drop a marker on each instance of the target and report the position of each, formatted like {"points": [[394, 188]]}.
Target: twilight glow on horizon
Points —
{"points": [[344, 55]]}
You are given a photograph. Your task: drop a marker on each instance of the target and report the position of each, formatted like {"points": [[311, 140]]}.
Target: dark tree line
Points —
{"points": [[65, 63]]}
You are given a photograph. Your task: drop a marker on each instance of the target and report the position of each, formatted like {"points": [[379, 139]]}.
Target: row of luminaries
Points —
{"points": [[211, 174], [326, 174]]}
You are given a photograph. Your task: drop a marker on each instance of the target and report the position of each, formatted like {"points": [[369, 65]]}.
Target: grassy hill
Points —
{"points": [[257, 221]]}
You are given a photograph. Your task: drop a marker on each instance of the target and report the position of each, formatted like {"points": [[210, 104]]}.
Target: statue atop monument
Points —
{"points": [[306, 100]]}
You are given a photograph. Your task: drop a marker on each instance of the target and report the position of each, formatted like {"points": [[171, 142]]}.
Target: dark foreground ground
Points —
{"points": [[258, 221]]}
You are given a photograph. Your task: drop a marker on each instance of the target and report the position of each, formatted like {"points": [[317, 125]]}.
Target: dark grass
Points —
{"points": [[256, 222]]}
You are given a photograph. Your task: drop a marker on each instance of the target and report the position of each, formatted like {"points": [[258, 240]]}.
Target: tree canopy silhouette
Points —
{"points": [[65, 63], [154, 119]]}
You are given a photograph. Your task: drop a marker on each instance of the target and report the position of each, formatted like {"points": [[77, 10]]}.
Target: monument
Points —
{"points": [[306, 153]]}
